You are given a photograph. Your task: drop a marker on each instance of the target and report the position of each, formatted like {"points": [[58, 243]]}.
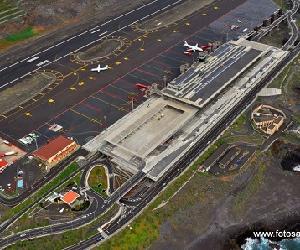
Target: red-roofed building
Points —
{"points": [[3, 164], [56, 150], [70, 197]]}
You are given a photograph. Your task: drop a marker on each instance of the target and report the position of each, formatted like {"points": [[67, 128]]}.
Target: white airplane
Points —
{"points": [[99, 68], [192, 47]]}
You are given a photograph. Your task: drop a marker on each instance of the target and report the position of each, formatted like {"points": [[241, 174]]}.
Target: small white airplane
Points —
{"points": [[99, 68], [192, 47]]}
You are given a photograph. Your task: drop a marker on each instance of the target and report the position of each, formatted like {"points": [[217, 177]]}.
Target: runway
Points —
{"points": [[85, 103], [107, 94]]}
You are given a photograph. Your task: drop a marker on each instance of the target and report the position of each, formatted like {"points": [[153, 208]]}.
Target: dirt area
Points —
{"points": [[175, 14], [104, 49], [25, 90]]}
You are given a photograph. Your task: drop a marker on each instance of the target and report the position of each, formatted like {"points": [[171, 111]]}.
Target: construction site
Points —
{"points": [[159, 132]]}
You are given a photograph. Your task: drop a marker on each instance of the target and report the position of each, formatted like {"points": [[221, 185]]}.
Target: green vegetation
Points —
{"points": [[35, 197], [24, 223], [98, 180], [21, 35], [252, 187], [145, 228], [280, 80], [71, 237]]}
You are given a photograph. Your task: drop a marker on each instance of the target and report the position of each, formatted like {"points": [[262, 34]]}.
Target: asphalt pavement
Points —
{"points": [[182, 164]]}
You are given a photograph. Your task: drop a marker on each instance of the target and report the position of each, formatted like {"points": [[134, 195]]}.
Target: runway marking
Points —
{"points": [[84, 32], [155, 12], [140, 7], [113, 105], [116, 80], [106, 22], [129, 12], [125, 91], [85, 116], [118, 17], [3, 69], [177, 2], [94, 28]]}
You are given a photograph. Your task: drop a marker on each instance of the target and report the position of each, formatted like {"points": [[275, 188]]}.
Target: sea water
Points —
{"points": [[265, 244]]}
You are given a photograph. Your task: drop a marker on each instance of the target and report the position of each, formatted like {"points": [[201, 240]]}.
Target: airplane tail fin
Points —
{"points": [[186, 43], [197, 44]]}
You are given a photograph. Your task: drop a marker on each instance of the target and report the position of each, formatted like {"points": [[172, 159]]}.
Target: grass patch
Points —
{"points": [[22, 35], [145, 228], [71, 237], [35, 197], [252, 187], [98, 180], [25, 222]]}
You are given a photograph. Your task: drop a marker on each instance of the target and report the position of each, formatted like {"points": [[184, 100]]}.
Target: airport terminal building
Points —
{"points": [[159, 132]]}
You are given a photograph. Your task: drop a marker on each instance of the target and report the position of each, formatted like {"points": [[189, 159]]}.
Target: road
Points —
{"points": [[188, 158], [289, 15], [291, 18], [182, 164]]}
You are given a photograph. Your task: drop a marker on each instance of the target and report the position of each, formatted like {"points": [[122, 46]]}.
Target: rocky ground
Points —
{"points": [[216, 212], [223, 211]]}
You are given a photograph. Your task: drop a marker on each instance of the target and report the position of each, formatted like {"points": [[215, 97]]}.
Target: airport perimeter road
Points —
{"points": [[294, 28], [158, 187], [293, 25], [10, 74], [11, 202], [175, 171], [188, 158], [95, 209]]}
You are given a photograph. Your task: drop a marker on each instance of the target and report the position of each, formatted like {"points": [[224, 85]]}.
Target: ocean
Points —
{"points": [[265, 244]]}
